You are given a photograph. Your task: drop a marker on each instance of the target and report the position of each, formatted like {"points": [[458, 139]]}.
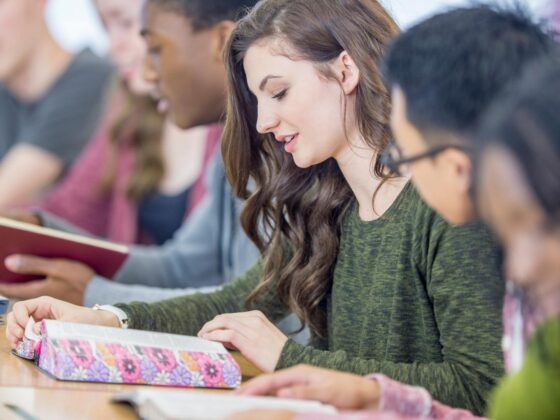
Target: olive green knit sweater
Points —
{"points": [[413, 298]]}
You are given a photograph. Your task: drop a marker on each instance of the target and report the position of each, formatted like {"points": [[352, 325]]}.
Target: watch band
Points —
{"points": [[121, 315]]}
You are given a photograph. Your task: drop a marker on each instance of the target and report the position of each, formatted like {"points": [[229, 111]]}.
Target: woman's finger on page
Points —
{"points": [[271, 383], [228, 338], [318, 392], [227, 321]]}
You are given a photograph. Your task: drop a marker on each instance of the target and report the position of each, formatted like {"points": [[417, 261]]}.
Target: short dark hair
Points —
{"points": [[453, 65], [207, 13], [524, 121]]}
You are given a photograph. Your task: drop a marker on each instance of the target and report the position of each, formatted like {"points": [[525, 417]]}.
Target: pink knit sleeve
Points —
{"points": [[404, 399], [399, 402]]}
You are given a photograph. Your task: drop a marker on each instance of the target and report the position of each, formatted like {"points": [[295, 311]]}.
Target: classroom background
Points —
{"points": [[75, 23]]}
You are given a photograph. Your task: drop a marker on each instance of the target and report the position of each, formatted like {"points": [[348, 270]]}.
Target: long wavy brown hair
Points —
{"points": [[294, 215], [138, 126]]}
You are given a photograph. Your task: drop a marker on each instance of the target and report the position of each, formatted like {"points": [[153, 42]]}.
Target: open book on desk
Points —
{"points": [[90, 353], [104, 257], [155, 404]]}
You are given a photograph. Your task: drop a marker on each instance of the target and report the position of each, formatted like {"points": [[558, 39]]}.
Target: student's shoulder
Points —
{"points": [[3, 91], [432, 228], [87, 60], [87, 70], [9, 106], [544, 345], [422, 218], [87, 78], [533, 391]]}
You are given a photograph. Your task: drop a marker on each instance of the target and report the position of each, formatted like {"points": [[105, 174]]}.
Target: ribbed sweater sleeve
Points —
{"points": [[187, 314]]}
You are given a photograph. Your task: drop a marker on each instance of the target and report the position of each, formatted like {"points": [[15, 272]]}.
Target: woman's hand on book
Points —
{"points": [[63, 279], [343, 390], [251, 333], [49, 308]]}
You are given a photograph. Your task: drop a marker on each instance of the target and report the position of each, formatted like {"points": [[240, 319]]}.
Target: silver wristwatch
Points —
{"points": [[121, 315]]}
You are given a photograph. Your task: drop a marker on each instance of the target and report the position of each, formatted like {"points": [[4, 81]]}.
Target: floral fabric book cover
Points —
{"points": [[89, 353]]}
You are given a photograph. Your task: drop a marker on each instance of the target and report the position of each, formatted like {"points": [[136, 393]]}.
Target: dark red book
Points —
{"points": [[105, 258]]}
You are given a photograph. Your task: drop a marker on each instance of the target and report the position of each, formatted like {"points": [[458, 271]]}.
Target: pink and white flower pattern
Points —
{"points": [[83, 360]]}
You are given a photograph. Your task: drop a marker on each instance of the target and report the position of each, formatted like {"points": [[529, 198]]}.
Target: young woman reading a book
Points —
{"points": [[379, 278], [469, 38]]}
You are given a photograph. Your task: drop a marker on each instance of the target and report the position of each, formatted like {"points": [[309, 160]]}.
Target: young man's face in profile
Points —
{"points": [[443, 180], [185, 66]]}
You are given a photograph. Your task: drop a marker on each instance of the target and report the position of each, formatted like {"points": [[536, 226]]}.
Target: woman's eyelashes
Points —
{"points": [[280, 94]]}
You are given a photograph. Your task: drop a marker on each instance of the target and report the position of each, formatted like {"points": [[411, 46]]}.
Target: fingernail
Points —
{"points": [[13, 262]]}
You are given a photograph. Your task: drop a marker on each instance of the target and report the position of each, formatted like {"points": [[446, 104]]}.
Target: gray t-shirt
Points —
{"points": [[62, 121]]}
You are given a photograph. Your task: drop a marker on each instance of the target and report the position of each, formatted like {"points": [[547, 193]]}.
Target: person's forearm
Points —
{"points": [[54, 222], [414, 401], [187, 314], [448, 382], [18, 185], [104, 291]]}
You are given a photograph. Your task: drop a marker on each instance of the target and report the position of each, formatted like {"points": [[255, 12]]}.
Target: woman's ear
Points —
{"points": [[221, 33], [347, 72]]}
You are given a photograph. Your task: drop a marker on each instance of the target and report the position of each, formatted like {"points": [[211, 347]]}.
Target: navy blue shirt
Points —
{"points": [[160, 215]]}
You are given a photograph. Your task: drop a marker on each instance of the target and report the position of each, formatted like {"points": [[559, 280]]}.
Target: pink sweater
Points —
{"points": [[111, 215], [404, 402]]}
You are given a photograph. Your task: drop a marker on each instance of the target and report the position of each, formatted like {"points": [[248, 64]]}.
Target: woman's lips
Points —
{"points": [[291, 144]]}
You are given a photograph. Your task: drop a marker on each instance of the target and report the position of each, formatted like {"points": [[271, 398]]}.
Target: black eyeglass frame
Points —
{"points": [[393, 164]]}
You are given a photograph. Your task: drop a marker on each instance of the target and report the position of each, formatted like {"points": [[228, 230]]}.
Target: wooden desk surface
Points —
{"points": [[43, 397], [44, 403]]}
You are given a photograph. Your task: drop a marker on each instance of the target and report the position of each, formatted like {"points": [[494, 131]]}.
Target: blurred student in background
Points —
{"points": [[186, 40], [140, 176], [50, 102], [518, 191]]}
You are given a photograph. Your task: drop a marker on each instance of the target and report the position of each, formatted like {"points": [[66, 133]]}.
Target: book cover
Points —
{"points": [[105, 258], [89, 353]]}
